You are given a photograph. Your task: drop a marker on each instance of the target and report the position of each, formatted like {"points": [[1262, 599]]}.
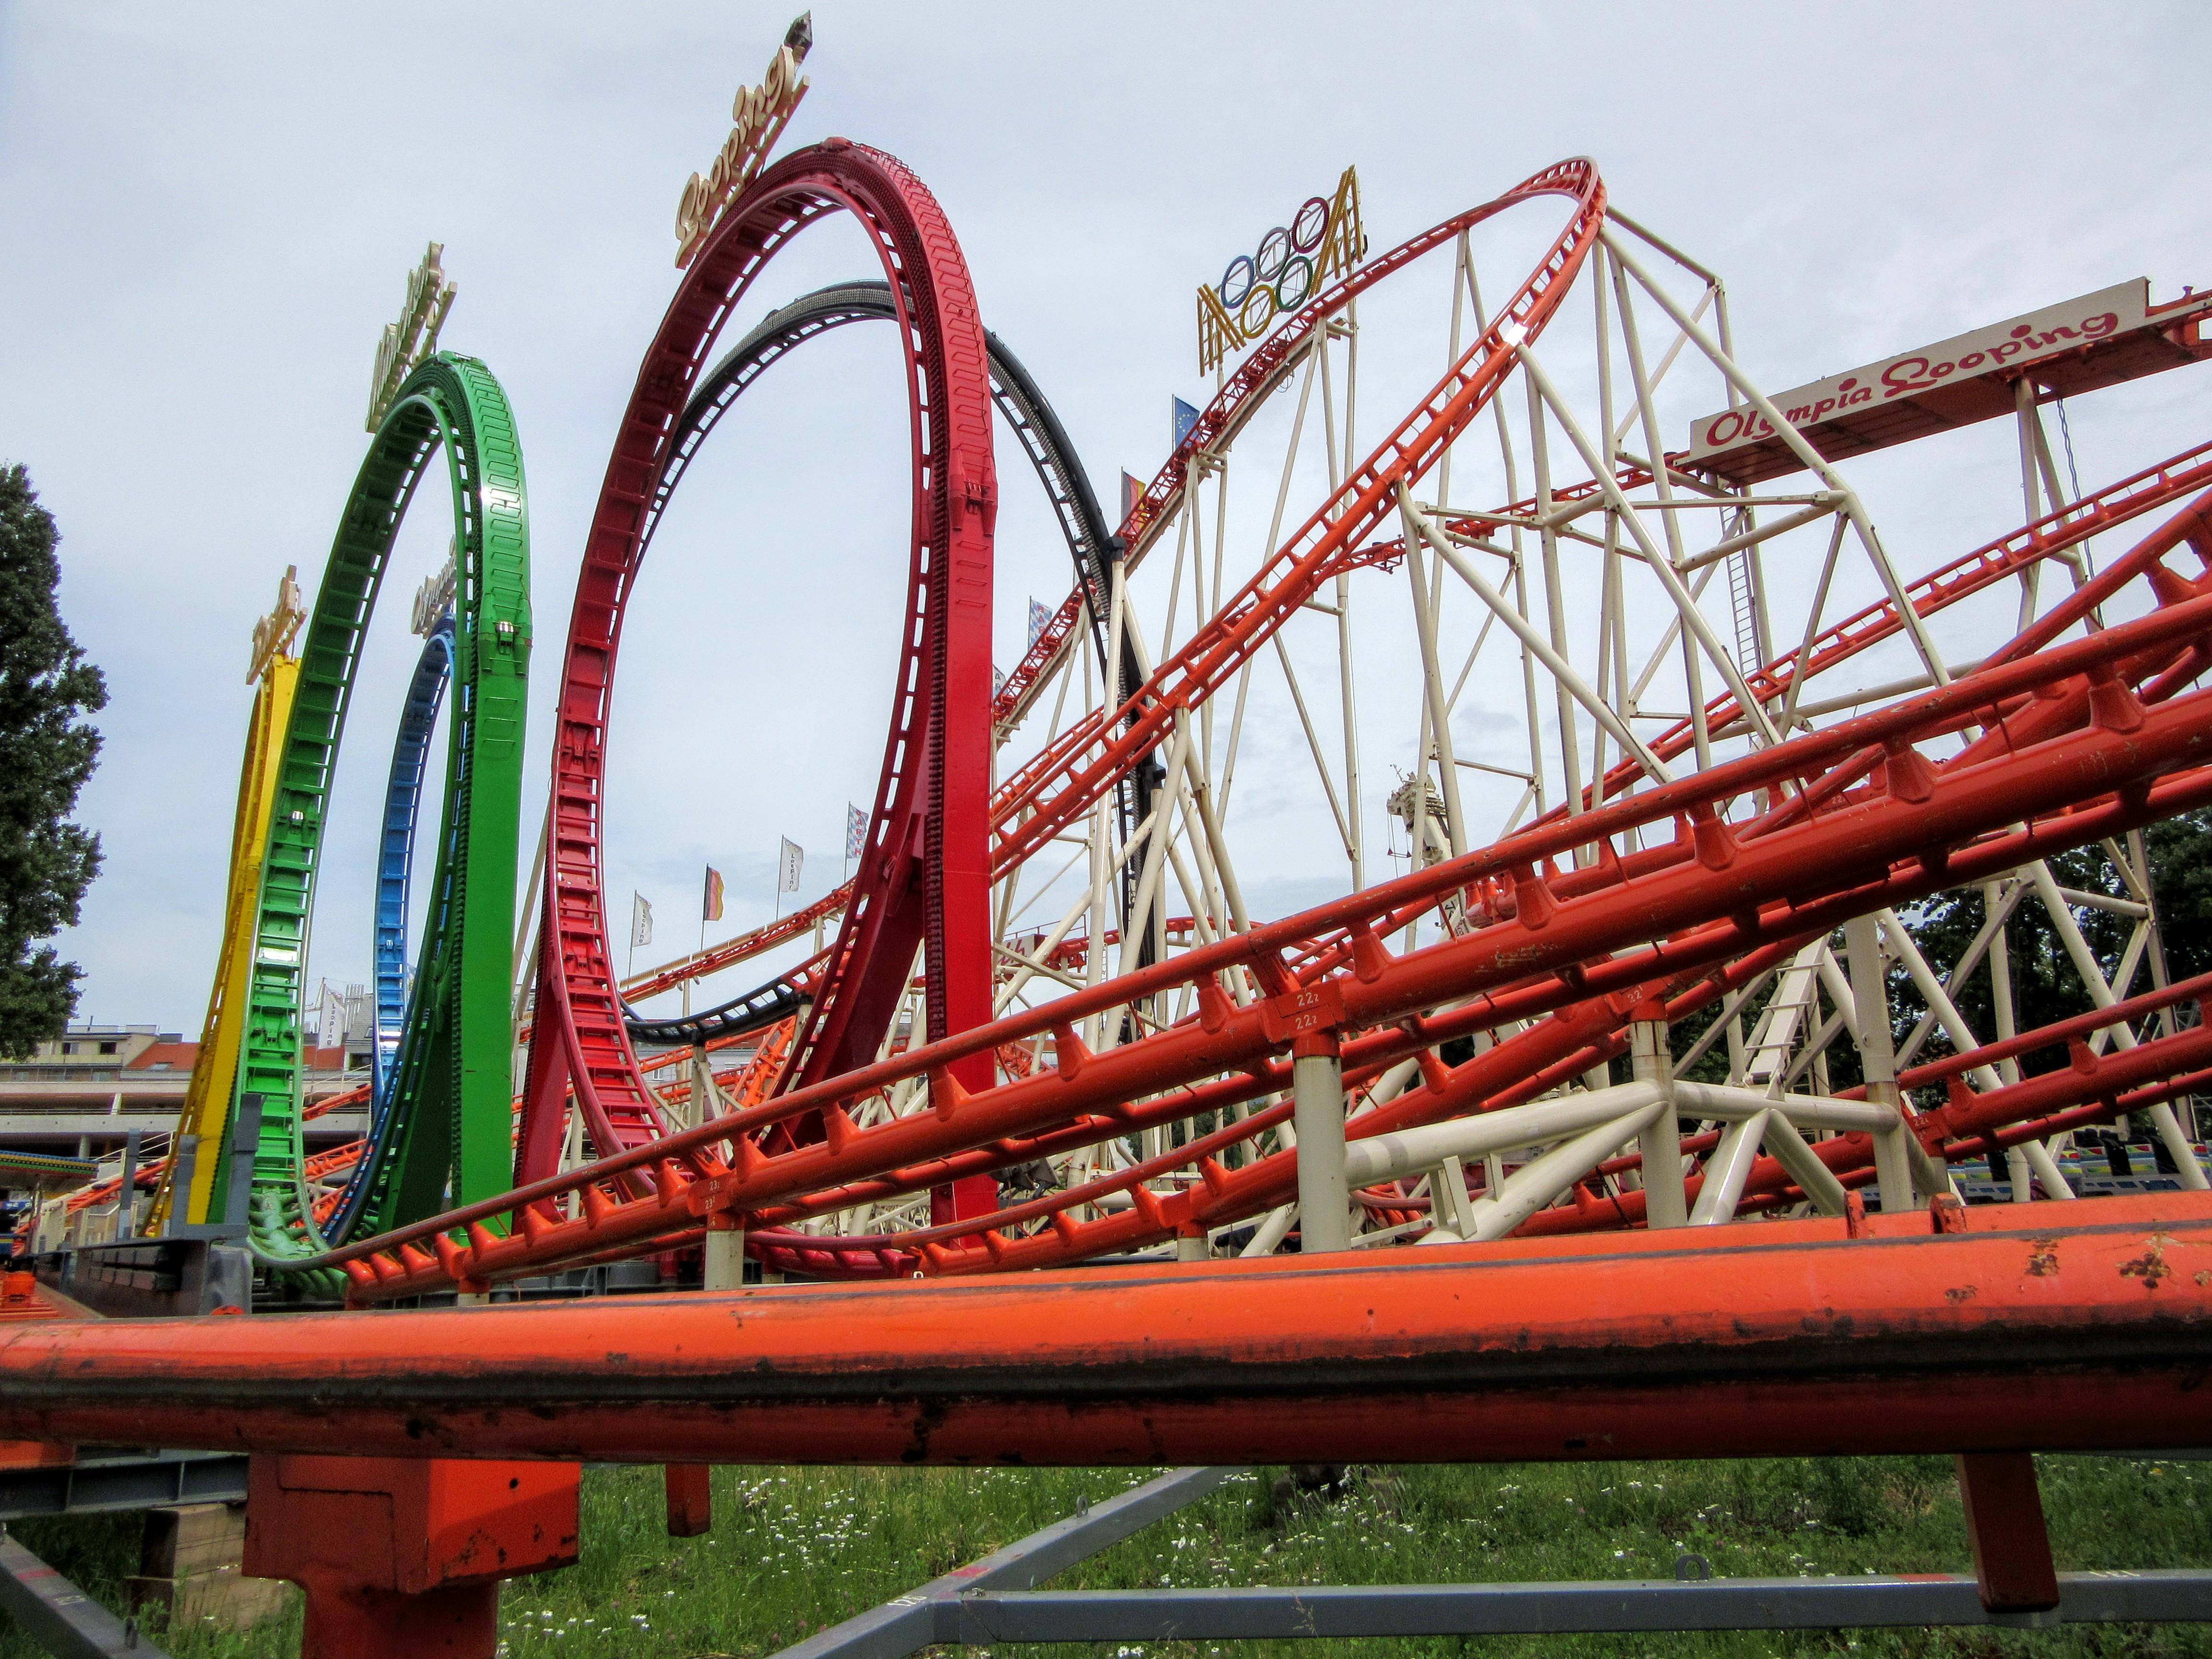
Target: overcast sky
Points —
{"points": [[211, 211]]}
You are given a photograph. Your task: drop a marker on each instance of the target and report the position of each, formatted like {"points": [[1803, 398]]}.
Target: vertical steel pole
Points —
{"points": [[1666, 1203], [1878, 1060], [725, 1251], [1317, 1110]]}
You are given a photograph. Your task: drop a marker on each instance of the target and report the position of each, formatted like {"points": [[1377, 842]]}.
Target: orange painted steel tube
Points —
{"points": [[2087, 1326]]}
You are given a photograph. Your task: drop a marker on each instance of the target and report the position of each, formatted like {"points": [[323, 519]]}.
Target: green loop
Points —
{"points": [[449, 1133]]}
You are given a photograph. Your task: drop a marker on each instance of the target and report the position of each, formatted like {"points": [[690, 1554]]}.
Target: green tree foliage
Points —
{"points": [[47, 750], [2046, 987]]}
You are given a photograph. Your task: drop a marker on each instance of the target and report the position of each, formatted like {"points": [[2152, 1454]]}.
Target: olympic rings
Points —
{"points": [[1274, 253], [1236, 285]]}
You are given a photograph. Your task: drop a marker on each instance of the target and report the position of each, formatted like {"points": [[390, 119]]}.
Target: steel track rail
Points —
{"points": [[1872, 848], [403, 807], [1056, 788], [924, 879], [450, 1092], [1059, 469], [1791, 1337]]}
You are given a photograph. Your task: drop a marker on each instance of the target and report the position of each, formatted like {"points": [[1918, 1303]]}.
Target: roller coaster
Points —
{"points": [[1661, 957]]}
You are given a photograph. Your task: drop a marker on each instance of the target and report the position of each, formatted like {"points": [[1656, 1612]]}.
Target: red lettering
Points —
{"points": [[1904, 375]]}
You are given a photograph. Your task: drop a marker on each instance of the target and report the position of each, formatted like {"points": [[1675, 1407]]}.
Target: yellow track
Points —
{"points": [[207, 1101]]}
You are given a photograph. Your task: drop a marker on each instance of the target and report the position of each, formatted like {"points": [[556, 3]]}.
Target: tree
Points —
{"points": [[47, 750]]}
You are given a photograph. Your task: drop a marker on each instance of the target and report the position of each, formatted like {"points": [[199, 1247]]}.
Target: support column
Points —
{"points": [[1190, 1242], [2004, 1519], [1892, 1156], [690, 1499], [402, 1558], [724, 1268], [1665, 1202], [1318, 1113], [706, 1099]]}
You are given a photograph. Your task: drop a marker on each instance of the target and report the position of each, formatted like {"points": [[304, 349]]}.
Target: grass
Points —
{"points": [[796, 1549]]}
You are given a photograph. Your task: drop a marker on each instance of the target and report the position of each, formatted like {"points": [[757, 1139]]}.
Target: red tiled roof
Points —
{"points": [[179, 1056]]}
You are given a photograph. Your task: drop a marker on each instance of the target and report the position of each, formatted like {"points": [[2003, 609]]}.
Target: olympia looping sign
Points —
{"points": [[1323, 239], [2001, 348], [760, 113]]}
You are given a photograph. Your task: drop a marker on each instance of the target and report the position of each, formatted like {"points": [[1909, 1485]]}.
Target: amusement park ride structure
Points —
{"points": [[1472, 1073]]}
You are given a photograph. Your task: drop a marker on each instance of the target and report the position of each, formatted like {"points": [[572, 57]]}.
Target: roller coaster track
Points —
{"points": [[1075, 506], [1023, 815], [924, 879], [403, 806], [1320, 959], [2081, 759], [1071, 771], [446, 1106], [215, 1064]]}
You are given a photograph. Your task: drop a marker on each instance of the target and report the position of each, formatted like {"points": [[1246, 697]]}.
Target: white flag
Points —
{"points": [[786, 875], [640, 921]]}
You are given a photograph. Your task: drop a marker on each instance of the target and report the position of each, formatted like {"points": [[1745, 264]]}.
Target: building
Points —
{"points": [[80, 1095]]}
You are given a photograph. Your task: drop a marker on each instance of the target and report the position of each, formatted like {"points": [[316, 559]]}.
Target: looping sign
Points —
{"points": [[1322, 239], [760, 113], [414, 338], [274, 634], [2002, 348]]}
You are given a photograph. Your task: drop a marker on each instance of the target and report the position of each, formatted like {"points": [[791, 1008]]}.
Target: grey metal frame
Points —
{"points": [[992, 1602], [135, 1482], [1340, 1610], [61, 1618], [901, 1626]]}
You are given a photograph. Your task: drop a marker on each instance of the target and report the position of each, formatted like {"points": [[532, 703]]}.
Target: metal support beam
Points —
{"points": [[1661, 1144], [1340, 1611], [123, 1483], [2012, 1545], [1317, 1109], [912, 1621], [61, 1618]]}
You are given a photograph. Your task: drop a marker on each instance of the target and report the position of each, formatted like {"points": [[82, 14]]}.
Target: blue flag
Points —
{"points": [[1185, 418]]}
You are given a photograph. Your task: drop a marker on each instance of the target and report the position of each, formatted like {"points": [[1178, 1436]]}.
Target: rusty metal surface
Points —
{"points": [[2090, 1327]]}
